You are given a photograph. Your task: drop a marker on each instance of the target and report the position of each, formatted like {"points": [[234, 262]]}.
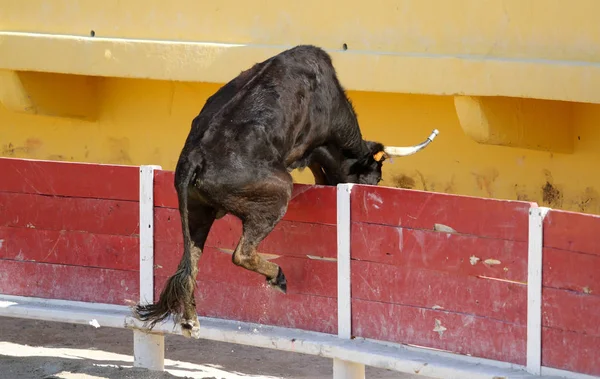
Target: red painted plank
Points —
{"points": [[432, 289], [167, 225], [312, 204], [572, 231], [69, 179], [288, 238], [68, 282], [458, 333], [572, 271], [459, 254], [63, 213], [304, 276], [422, 210], [571, 311], [164, 189], [264, 305], [70, 248], [570, 351]]}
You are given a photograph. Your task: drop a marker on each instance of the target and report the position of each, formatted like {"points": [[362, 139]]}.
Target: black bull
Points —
{"points": [[287, 112]]}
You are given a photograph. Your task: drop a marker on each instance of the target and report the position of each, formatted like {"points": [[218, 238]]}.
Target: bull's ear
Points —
{"points": [[377, 151], [379, 156]]}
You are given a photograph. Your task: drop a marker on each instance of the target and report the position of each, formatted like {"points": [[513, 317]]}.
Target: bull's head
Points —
{"points": [[331, 167], [369, 171]]}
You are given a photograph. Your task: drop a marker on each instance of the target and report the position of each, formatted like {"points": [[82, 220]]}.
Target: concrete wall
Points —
{"points": [[511, 85]]}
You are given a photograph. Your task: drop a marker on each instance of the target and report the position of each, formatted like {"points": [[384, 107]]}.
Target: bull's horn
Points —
{"points": [[395, 151]]}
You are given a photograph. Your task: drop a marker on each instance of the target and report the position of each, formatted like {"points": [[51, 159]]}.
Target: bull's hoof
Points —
{"points": [[190, 329], [279, 283]]}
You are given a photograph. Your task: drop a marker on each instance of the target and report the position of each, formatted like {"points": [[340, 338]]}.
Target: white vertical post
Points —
{"points": [[344, 369], [148, 348], [534, 289]]}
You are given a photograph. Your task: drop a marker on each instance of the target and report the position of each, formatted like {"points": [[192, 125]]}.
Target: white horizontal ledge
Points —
{"points": [[379, 71], [371, 353], [73, 312]]}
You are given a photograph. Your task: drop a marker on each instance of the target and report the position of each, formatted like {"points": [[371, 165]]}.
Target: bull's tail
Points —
{"points": [[177, 295]]}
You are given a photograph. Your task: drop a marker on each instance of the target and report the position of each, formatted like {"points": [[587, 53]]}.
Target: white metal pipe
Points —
{"points": [[343, 369], [148, 349], [534, 289]]}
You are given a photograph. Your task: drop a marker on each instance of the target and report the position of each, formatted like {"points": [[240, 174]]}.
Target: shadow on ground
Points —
{"points": [[63, 368], [240, 361]]}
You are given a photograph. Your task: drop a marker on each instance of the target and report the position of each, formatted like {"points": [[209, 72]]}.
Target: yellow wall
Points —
{"points": [[511, 85], [493, 28], [146, 122]]}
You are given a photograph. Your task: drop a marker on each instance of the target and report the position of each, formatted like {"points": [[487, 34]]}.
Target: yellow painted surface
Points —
{"points": [[57, 95], [146, 122], [13, 94], [515, 29], [380, 71], [534, 49], [151, 65], [512, 121]]}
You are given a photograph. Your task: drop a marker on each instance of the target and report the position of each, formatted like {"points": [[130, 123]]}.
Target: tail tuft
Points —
{"points": [[179, 287], [178, 293]]}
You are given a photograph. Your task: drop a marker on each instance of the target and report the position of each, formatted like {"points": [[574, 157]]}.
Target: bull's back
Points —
{"points": [[271, 113]]}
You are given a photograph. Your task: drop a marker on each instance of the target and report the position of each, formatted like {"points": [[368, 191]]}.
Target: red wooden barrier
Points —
{"points": [[440, 271], [69, 231], [301, 244], [571, 292], [416, 281]]}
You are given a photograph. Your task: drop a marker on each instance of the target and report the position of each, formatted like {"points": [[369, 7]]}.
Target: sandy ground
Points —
{"points": [[36, 349]]}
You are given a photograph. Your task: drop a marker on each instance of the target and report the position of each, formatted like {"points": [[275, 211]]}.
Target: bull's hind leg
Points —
{"points": [[177, 296], [201, 218], [260, 209], [246, 255]]}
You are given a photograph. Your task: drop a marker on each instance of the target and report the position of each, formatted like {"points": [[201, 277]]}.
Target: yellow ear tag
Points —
{"points": [[378, 156]]}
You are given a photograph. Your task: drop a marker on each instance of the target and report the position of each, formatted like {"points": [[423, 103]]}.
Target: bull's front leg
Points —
{"points": [[317, 171]]}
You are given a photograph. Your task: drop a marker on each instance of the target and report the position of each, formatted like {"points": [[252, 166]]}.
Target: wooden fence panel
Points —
{"points": [[571, 292], [440, 271], [69, 231]]}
